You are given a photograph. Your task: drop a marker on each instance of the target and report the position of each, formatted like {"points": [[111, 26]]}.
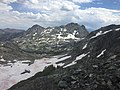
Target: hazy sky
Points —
{"points": [[93, 14]]}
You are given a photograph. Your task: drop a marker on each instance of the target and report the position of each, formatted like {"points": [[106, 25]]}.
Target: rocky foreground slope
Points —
{"points": [[93, 64]]}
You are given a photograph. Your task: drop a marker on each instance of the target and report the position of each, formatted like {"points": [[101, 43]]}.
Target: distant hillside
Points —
{"points": [[8, 34]]}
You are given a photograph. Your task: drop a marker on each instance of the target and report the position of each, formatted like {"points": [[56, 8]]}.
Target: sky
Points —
{"points": [[22, 14]]}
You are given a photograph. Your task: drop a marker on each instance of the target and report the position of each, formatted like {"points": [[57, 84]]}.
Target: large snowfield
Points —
{"points": [[15, 72]]}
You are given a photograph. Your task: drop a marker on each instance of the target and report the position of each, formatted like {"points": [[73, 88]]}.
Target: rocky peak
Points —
{"points": [[72, 24], [83, 26], [52, 38], [35, 28], [75, 26]]}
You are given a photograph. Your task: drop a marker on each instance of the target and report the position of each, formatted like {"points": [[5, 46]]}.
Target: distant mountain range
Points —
{"points": [[40, 40], [52, 39], [92, 64]]}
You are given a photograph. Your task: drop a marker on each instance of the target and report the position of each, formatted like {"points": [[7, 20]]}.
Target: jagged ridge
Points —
{"points": [[52, 39]]}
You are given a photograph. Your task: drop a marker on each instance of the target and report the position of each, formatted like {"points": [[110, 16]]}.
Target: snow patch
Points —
{"points": [[25, 61], [2, 59], [81, 56], [107, 31], [85, 46], [71, 36], [75, 32], [2, 44], [73, 63], [33, 38], [9, 61], [101, 33], [64, 58], [65, 30], [117, 29], [98, 34], [77, 58], [59, 64], [59, 36], [15, 60], [34, 34], [101, 53]]}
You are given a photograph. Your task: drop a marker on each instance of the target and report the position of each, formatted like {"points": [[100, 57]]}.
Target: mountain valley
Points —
{"points": [[67, 57], [93, 64]]}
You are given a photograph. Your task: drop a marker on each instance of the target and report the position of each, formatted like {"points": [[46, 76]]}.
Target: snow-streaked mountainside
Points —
{"points": [[38, 41], [52, 39], [93, 64]]}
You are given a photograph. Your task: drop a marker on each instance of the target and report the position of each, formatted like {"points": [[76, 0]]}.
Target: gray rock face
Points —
{"points": [[97, 65], [52, 39]]}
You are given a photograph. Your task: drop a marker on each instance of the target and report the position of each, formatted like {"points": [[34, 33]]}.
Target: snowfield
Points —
{"points": [[15, 72]]}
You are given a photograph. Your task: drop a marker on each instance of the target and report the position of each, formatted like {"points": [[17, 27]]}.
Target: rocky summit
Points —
{"points": [[92, 64], [51, 40]]}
